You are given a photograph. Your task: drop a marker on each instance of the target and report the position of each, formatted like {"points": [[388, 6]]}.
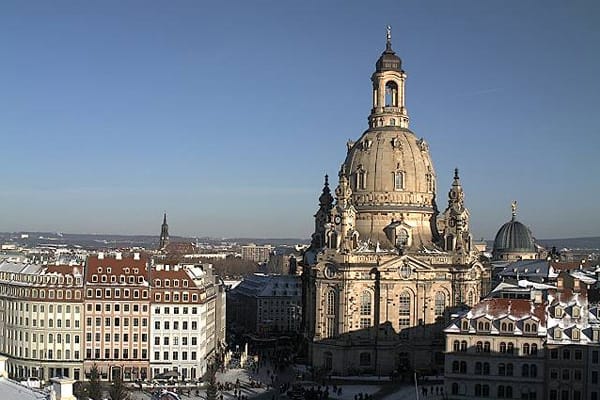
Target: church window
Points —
{"points": [[365, 309], [391, 94], [440, 304], [471, 299], [392, 121], [330, 318], [365, 303], [429, 181], [398, 180], [361, 181], [404, 310], [365, 359]]}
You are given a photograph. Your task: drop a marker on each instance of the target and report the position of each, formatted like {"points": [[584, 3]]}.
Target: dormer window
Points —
{"points": [[104, 278], [94, 278], [99, 270], [558, 312], [108, 270], [557, 333], [126, 270], [576, 312], [465, 325], [575, 334]]}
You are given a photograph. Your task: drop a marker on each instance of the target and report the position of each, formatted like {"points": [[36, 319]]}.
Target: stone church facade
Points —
{"points": [[384, 267]]}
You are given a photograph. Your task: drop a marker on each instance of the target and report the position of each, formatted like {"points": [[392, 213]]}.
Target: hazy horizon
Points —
{"points": [[228, 115]]}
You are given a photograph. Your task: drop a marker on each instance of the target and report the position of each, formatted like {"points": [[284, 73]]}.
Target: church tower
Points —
{"points": [[164, 234], [378, 281]]}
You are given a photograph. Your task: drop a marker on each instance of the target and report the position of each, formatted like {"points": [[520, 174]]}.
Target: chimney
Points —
{"points": [[63, 388], [136, 256], [101, 255], [118, 255]]}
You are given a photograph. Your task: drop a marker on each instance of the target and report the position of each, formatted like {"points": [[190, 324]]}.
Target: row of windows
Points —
{"points": [[167, 325], [116, 321], [167, 283], [22, 306], [484, 347], [175, 297], [116, 354], [24, 336], [122, 279], [567, 374], [40, 279], [116, 307], [98, 337], [42, 293], [167, 310], [175, 356], [117, 293], [502, 391], [483, 368], [507, 327], [566, 394], [42, 322], [175, 341], [566, 354]]}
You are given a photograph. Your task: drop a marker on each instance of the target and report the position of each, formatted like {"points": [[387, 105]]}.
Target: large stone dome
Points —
{"points": [[392, 179]]}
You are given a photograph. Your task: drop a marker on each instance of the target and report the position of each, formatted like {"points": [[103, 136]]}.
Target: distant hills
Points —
{"points": [[109, 241]]}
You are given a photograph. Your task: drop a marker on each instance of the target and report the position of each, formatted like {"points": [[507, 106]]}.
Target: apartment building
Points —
{"points": [[184, 334], [496, 350], [41, 309], [60, 320], [117, 317]]}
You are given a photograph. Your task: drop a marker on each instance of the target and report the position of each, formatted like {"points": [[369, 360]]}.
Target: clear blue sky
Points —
{"points": [[228, 114]]}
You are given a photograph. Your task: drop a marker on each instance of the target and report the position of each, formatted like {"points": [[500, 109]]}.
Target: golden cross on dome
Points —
{"points": [[513, 206], [389, 33]]}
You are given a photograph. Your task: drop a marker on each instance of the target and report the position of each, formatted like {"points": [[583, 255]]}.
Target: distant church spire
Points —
{"points": [[323, 215], [164, 233]]}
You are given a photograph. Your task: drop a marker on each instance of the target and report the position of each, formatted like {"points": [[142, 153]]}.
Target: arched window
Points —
{"points": [[454, 388], [526, 348], [404, 310], [479, 347], [463, 367], [525, 370], [478, 368], [465, 325], [502, 347], [509, 369], [331, 316], [503, 326], [440, 304], [463, 345], [511, 327], [509, 393], [456, 345], [533, 349], [533, 371], [478, 389], [391, 94], [486, 347], [455, 366], [486, 368], [398, 180], [431, 188], [361, 175], [510, 347], [365, 359], [471, 299], [501, 369], [365, 309], [365, 303]]}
